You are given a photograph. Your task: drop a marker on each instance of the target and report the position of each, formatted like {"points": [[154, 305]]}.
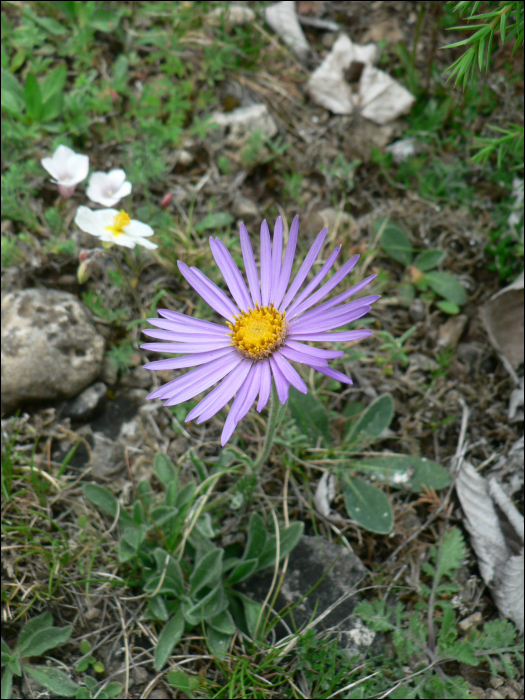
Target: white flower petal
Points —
{"points": [[136, 229], [95, 222]]}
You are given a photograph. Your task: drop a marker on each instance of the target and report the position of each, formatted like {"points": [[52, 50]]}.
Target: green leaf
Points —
{"points": [[168, 638], [157, 608], [54, 680], [102, 498], [404, 471], [211, 605], [36, 624], [394, 240], [429, 260], [85, 647], [173, 570], [13, 99], [446, 286], [161, 514], [146, 493], [375, 614], [52, 108], [448, 307], [33, 97], [7, 683], [213, 221], [208, 571], [219, 642], [47, 23], [6, 652], [367, 505], [53, 83], [181, 681], [45, 639], [257, 536], [243, 570], [453, 551], [310, 416], [254, 617], [104, 21], [113, 689], [375, 419], [186, 494], [164, 469], [223, 623], [288, 539], [462, 652]]}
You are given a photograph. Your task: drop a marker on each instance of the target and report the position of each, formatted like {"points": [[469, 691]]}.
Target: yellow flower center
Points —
{"points": [[257, 333], [120, 221]]}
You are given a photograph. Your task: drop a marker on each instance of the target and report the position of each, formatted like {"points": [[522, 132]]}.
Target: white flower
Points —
{"points": [[67, 168], [108, 188], [112, 227]]}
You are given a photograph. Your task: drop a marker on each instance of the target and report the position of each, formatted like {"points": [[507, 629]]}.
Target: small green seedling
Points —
{"points": [[186, 578], [365, 503], [421, 273]]}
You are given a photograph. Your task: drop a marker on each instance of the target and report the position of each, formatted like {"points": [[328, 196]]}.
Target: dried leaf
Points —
{"points": [[502, 316], [283, 20], [495, 536], [324, 494]]}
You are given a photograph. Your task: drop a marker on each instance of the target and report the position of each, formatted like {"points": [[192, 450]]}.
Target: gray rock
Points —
{"points": [[417, 310], [50, 347], [237, 126], [86, 403], [309, 561], [244, 208], [138, 378]]}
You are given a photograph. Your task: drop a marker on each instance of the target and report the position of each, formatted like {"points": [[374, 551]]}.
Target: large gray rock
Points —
{"points": [[50, 347]]}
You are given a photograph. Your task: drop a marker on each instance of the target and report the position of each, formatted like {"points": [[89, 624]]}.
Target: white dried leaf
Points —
{"points": [[324, 494], [234, 15], [282, 18], [380, 98], [499, 567], [502, 316]]}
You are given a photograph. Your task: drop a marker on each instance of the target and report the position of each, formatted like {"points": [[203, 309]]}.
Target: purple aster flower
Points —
{"points": [[268, 326]]}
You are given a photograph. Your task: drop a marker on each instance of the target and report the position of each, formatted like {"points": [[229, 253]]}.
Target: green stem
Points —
{"points": [[276, 412]]}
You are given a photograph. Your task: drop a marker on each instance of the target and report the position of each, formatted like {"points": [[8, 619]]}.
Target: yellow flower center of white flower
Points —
{"points": [[257, 333], [120, 221]]}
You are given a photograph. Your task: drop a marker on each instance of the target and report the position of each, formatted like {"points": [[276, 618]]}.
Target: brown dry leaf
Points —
{"points": [[502, 316]]}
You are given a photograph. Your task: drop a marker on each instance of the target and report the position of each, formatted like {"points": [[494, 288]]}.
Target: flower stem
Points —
{"points": [[276, 413]]}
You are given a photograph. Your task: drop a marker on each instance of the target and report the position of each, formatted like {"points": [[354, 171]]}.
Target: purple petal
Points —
{"points": [[189, 360], [340, 298], [250, 266], [327, 287], [266, 264], [189, 320], [266, 384], [231, 274], [319, 277], [345, 336], [202, 385], [281, 383], [286, 270], [219, 397], [334, 374], [290, 373], [315, 352], [242, 402], [184, 337], [324, 314], [304, 270], [302, 357], [213, 329], [277, 256], [216, 368], [211, 294], [183, 348], [317, 325]]}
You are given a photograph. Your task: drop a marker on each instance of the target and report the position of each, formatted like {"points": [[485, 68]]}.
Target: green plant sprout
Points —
{"points": [[365, 503], [422, 274], [187, 579], [38, 636], [428, 632]]}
